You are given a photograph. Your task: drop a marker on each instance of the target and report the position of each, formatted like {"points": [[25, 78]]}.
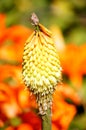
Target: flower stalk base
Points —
{"points": [[46, 120]]}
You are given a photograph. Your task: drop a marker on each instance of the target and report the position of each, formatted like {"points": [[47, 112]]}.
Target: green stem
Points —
{"points": [[37, 28], [46, 120]]}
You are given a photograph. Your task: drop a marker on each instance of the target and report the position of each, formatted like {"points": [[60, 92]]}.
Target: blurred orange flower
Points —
{"points": [[2, 21], [32, 119], [8, 103], [54, 127], [73, 60], [12, 40], [11, 74], [82, 63], [2, 27], [25, 126], [62, 112], [26, 99], [67, 92], [18, 36]]}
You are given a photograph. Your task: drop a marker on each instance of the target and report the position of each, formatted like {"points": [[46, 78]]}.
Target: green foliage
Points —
{"points": [[15, 121], [79, 123]]}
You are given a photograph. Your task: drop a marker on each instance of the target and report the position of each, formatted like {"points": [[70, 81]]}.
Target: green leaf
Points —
{"points": [[15, 121], [79, 123]]}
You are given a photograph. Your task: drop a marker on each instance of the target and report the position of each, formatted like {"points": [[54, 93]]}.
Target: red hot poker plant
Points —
{"points": [[41, 69]]}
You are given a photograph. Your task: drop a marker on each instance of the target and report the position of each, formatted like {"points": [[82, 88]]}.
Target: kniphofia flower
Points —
{"points": [[41, 65]]}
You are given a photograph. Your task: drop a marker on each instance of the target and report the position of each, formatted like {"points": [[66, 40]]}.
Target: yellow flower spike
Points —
{"points": [[41, 66]]}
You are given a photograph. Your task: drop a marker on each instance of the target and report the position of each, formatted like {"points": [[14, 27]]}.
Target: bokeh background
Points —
{"points": [[67, 20]]}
